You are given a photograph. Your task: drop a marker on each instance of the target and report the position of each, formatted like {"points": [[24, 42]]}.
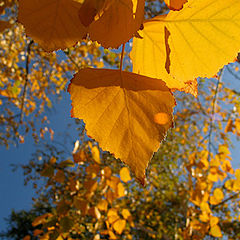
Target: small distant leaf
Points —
{"points": [[48, 171], [118, 109], [41, 219], [125, 174], [96, 154], [118, 23], [175, 4], [215, 231], [53, 24], [119, 226]]}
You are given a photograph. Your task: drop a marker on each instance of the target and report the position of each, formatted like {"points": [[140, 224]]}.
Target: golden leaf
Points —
{"points": [[53, 24], [125, 174], [118, 109], [202, 38], [215, 231], [119, 225], [118, 24], [149, 55]]}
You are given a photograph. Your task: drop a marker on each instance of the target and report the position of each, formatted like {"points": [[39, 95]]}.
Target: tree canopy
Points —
{"points": [[126, 98]]}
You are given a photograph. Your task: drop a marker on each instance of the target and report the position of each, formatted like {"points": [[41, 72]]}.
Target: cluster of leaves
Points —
{"points": [[170, 48], [193, 191]]}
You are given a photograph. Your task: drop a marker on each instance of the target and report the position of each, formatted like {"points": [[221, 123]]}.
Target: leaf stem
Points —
{"points": [[122, 54]]}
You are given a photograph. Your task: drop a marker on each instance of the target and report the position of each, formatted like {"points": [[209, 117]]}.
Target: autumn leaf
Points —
{"points": [[118, 24], [175, 4], [125, 174], [215, 231], [118, 109], [119, 225], [92, 8], [53, 24], [149, 55], [203, 37]]}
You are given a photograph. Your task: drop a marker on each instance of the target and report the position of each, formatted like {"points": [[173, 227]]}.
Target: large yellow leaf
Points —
{"points": [[119, 23], [53, 24], [151, 53], [119, 109], [202, 37]]}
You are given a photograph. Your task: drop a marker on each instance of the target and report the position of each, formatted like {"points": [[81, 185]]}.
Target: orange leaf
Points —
{"points": [[118, 109], [125, 174], [120, 21], [53, 24], [175, 4]]}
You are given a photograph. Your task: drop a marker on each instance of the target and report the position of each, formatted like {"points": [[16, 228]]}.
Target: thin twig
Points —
{"points": [[26, 80], [122, 55], [213, 113], [226, 200]]}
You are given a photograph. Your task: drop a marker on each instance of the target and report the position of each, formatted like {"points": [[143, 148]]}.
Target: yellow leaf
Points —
{"points": [[218, 194], [213, 221], [125, 174], [215, 231], [96, 154], [41, 219], [112, 215], [119, 226], [118, 23], [120, 190], [103, 205], [118, 109], [175, 4], [202, 37], [53, 24], [126, 214], [149, 55]]}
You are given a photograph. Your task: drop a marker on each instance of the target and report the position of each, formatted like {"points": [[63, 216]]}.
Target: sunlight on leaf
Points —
{"points": [[118, 109]]}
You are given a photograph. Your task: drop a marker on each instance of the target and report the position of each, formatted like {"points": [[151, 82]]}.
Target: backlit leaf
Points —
{"points": [[149, 55], [119, 226], [202, 37], [118, 109], [53, 24], [125, 174], [118, 23], [215, 231]]}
